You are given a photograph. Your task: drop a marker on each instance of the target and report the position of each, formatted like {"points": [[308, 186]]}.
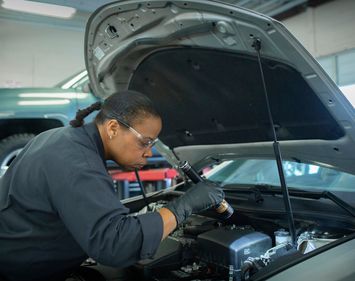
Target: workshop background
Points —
{"points": [[41, 50]]}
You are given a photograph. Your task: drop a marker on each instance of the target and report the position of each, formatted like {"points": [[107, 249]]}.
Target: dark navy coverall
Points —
{"points": [[58, 206]]}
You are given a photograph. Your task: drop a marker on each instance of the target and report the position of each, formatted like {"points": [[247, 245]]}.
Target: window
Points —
{"points": [[340, 67], [251, 171]]}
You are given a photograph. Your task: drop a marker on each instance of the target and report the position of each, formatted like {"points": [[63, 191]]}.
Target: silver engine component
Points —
{"points": [[309, 241]]}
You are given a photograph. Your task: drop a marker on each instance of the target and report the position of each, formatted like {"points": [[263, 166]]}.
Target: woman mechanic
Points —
{"points": [[57, 201]]}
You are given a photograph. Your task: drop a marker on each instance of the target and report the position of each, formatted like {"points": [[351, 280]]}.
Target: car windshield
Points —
{"points": [[73, 81], [264, 172]]}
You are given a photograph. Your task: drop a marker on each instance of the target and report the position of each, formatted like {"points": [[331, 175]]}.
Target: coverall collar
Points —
{"points": [[94, 136]]}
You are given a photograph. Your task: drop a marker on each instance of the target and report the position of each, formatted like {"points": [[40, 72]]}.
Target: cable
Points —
{"points": [[142, 189]]}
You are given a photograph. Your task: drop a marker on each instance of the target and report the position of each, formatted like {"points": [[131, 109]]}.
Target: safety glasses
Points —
{"points": [[145, 142]]}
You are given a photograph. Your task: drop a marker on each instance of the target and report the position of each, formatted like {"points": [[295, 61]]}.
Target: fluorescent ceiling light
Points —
{"points": [[43, 9]]}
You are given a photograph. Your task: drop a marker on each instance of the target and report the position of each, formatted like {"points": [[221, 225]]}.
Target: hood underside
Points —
{"points": [[197, 62]]}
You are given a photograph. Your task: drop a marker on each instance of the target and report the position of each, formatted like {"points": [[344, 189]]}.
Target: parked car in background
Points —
{"points": [[26, 112]]}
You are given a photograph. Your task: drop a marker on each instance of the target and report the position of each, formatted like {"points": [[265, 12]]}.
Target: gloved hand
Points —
{"points": [[199, 197]]}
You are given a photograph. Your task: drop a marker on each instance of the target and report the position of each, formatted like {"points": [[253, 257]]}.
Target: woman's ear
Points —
{"points": [[112, 128]]}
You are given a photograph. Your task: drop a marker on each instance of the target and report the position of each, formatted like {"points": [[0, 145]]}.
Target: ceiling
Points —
{"points": [[279, 9]]}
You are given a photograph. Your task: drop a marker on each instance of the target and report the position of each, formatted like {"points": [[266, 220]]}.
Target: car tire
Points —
{"points": [[10, 147]]}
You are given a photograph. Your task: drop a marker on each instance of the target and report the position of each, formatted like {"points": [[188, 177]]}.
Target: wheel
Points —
{"points": [[10, 147]]}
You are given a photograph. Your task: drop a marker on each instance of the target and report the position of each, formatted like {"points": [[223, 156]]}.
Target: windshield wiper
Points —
{"points": [[328, 195], [256, 189], [271, 189]]}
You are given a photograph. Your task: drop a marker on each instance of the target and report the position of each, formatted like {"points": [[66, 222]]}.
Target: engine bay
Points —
{"points": [[205, 248], [247, 247]]}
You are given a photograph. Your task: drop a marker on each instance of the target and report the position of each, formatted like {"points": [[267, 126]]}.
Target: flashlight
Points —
{"points": [[223, 208]]}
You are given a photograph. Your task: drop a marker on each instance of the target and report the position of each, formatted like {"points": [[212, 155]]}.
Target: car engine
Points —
{"points": [[204, 248]]}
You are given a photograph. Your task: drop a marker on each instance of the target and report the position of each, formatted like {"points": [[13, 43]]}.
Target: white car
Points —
{"points": [[241, 97]]}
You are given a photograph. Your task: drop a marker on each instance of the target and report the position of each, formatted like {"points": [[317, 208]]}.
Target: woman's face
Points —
{"points": [[130, 147]]}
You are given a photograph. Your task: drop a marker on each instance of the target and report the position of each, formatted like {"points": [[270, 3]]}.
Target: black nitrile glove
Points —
{"points": [[198, 198]]}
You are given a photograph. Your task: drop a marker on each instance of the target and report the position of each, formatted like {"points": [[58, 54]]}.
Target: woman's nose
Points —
{"points": [[148, 152]]}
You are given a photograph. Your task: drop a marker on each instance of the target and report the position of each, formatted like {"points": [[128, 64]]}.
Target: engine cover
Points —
{"points": [[231, 246]]}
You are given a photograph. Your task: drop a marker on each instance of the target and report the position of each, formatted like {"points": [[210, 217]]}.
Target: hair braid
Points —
{"points": [[82, 113]]}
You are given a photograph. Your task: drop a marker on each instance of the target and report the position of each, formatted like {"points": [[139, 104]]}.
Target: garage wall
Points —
{"points": [[326, 29], [33, 54]]}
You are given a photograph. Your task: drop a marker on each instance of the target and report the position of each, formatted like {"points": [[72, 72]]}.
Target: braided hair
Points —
{"points": [[82, 113], [126, 105]]}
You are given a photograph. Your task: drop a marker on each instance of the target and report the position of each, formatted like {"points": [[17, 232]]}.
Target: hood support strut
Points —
{"points": [[257, 46]]}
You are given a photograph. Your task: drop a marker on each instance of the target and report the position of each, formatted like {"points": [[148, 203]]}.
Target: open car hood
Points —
{"points": [[196, 60]]}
